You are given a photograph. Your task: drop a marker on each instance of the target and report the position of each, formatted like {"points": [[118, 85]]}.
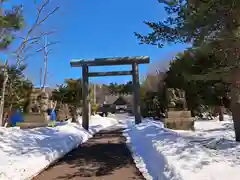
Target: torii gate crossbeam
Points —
{"points": [[134, 61]]}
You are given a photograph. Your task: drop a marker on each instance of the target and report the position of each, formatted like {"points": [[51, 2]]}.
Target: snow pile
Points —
{"points": [[213, 132], [163, 154], [24, 153]]}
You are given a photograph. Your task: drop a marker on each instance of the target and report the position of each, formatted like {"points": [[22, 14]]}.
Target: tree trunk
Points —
{"points": [[235, 102], [236, 116], [5, 75], [221, 109]]}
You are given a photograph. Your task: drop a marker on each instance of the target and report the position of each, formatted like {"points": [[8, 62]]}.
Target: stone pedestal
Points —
{"points": [[179, 120], [33, 120]]}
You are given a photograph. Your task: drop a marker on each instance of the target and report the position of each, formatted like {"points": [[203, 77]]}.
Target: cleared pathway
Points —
{"points": [[104, 157]]}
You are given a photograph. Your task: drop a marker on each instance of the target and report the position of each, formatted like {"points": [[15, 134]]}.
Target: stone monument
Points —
{"points": [[178, 117], [37, 119], [44, 103], [63, 112]]}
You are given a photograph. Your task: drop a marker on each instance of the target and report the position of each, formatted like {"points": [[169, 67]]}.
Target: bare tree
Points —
{"points": [[27, 42], [46, 49]]}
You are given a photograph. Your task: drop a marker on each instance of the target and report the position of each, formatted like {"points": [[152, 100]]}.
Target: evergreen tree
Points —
{"points": [[198, 22], [10, 22]]}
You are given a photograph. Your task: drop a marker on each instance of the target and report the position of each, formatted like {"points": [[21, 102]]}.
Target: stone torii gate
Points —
{"points": [[134, 61]]}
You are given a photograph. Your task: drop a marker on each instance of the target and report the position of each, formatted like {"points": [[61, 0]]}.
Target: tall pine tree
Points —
{"points": [[11, 20], [200, 21]]}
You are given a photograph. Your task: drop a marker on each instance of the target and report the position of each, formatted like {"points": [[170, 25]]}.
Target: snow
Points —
{"points": [[213, 129], [209, 153], [25, 153]]}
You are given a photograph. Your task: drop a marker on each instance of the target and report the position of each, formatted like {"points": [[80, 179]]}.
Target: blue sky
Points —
{"points": [[90, 29]]}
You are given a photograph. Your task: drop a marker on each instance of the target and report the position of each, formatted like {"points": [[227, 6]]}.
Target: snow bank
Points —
{"points": [[162, 154], [212, 129], [24, 153]]}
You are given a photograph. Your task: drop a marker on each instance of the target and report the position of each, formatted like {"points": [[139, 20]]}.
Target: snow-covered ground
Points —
{"points": [[24, 153], [213, 128], [209, 153]]}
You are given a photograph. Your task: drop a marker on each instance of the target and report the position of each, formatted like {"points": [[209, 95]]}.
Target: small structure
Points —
{"points": [[178, 117], [124, 102], [133, 61], [121, 103]]}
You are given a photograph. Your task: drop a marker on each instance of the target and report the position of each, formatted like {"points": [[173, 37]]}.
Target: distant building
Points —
{"points": [[122, 102]]}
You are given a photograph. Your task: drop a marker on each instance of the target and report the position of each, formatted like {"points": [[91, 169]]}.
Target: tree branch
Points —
{"points": [[36, 24], [48, 45]]}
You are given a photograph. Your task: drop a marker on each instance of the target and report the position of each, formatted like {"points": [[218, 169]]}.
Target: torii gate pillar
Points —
{"points": [[134, 61]]}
